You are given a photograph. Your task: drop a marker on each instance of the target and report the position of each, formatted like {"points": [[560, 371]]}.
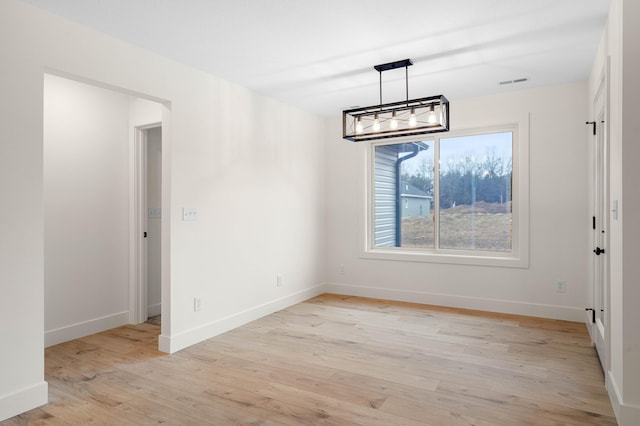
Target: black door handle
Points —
{"points": [[598, 251]]}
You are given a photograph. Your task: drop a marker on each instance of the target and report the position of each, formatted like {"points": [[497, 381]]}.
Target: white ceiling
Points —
{"points": [[319, 54]]}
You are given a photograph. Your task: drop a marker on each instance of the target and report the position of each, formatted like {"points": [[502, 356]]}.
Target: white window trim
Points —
{"points": [[518, 258]]}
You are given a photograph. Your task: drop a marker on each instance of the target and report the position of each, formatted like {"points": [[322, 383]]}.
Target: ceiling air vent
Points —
{"points": [[515, 80]]}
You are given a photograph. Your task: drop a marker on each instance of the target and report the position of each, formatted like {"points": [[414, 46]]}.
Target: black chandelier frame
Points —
{"points": [[403, 118]]}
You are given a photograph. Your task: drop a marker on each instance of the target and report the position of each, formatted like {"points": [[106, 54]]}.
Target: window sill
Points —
{"points": [[406, 255]]}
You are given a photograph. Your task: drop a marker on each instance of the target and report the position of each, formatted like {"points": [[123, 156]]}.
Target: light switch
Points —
{"points": [[155, 213], [189, 213]]}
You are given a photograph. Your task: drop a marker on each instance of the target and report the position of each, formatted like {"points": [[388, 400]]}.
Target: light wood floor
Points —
{"points": [[335, 360]]}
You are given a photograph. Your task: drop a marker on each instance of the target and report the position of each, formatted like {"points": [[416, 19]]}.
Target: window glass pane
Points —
{"points": [[403, 195], [475, 192]]}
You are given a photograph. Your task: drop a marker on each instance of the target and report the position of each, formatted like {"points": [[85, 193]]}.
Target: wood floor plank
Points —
{"points": [[201, 406], [343, 409], [527, 411], [384, 368], [335, 360], [234, 370]]}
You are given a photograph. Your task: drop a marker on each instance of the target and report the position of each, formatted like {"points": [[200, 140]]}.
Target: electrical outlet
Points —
{"points": [[561, 286], [197, 304], [279, 280], [341, 269]]}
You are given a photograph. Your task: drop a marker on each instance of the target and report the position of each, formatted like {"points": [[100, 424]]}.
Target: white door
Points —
{"points": [[601, 225]]}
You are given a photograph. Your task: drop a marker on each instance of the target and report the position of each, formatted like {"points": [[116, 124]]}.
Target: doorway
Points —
{"points": [[89, 136], [147, 286], [154, 216], [600, 238]]}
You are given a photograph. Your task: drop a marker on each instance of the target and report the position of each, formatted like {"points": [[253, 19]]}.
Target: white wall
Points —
{"points": [[256, 178], [86, 205], [631, 208], [620, 42], [22, 384], [558, 211]]}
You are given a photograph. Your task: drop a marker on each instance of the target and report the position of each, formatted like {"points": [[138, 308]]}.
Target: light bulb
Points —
{"points": [[359, 128], [376, 123], [431, 118], [393, 124], [412, 118]]}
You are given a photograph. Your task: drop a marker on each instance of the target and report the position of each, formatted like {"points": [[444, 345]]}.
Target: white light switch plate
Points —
{"points": [[189, 213]]}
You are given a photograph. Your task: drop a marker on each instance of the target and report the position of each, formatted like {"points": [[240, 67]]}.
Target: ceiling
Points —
{"points": [[319, 54]]}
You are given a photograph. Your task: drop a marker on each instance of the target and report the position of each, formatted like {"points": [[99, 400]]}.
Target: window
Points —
{"points": [[451, 198]]}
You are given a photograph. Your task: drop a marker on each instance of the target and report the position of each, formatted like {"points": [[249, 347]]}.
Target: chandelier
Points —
{"points": [[404, 118]]}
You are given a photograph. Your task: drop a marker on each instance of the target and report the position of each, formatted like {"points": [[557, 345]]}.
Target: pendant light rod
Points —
{"points": [[406, 63], [406, 81], [380, 73]]}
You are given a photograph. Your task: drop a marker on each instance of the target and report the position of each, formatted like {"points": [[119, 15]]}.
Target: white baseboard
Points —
{"points": [[614, 394], [153, 310], [23, 400], [164, 344], [483, 304], [85, 328], [626, 414], [187, 338]]}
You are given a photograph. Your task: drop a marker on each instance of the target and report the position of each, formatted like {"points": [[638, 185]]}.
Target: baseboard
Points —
{"points": [[566, 313], [626, 414], [154, 310], [187, 338], [24, 400], [86, 328], [614, 395], [164, 344]]}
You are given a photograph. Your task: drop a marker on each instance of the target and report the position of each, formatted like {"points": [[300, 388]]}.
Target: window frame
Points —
{"points": [[518, 257]]}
